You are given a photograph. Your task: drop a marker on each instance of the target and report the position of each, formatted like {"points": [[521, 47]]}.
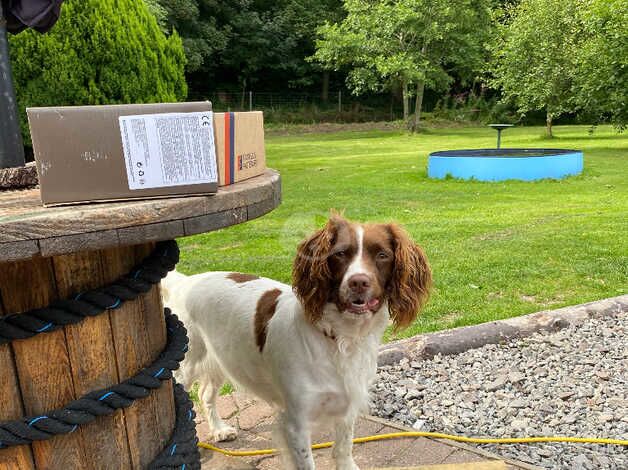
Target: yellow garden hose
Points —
{"points": [[438, 435]]}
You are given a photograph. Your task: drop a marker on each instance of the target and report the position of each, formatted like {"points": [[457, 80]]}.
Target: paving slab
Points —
{"points": [[254, 421], [485, 465]]}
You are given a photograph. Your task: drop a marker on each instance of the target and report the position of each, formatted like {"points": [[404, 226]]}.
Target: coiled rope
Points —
{"points": [[93, 302], [101, 402], [182, 450]]}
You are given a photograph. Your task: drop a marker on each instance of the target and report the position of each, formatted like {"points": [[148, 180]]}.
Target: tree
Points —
{"points": [[240, 42], [601, 86], [414, 43], [160, 14], [202, 25], [99, 52], [535, 56]]}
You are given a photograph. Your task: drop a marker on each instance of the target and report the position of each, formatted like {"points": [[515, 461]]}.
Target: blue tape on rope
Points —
{"points": [[158, 372], [44, 328], [137, 273], [39, 418], [105, 396], [74, 428], [116, 304], [174, 447], [189, 415], [183, 467], [78, 296]]}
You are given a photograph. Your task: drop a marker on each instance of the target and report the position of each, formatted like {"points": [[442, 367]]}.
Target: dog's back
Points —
{"points": [[228, 317], [168, 284]]}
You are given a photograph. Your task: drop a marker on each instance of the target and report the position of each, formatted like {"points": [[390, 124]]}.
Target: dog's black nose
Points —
{"points": [[359, 283]]}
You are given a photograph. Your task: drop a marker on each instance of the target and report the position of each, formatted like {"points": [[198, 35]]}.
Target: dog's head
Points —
{"points": [[359, 268]]}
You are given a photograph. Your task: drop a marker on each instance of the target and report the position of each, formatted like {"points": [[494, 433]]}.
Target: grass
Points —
{"points": [[497, 250]]}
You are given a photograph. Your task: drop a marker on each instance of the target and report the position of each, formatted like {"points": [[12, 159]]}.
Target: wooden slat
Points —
{"points": [[82, 242], [20, 457], [157, 338], [215, 221], [131, 342], [43, 366], [93, 361]]}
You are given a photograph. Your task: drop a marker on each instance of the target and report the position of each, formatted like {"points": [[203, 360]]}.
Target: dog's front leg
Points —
{"points": [[343, 446], [295, 435]]}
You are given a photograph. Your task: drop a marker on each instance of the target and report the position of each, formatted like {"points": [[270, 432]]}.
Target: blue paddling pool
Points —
{"points": [[505, 164]]}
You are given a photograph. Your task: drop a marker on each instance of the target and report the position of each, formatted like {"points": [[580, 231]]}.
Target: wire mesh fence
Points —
{"points": [[338, 105]]}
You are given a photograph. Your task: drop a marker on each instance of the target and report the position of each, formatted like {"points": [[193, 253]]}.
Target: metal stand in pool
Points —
{"points": [[499, 128]]}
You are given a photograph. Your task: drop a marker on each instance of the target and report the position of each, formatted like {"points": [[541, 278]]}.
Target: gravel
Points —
{"points": [[570, 383]]}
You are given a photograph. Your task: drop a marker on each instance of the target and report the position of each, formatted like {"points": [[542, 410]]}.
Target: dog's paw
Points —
{"points": [[346, 465], [226, 433]]}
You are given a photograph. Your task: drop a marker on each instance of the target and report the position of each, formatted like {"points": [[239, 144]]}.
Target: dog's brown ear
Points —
{"points": [[311, 277], [411, 280]]}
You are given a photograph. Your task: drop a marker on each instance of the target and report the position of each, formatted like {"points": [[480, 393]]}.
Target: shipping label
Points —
{"points": [[170, 149]]}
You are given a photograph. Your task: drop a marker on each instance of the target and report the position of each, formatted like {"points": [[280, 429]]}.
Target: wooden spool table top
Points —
{"points": [[27, 229]]}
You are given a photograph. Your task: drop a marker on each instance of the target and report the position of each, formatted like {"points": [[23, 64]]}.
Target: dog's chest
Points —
{"points": [[343, 385]]}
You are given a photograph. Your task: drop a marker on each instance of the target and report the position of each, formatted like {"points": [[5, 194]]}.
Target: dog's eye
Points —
{"points": [[340, 254], [382, 255]]}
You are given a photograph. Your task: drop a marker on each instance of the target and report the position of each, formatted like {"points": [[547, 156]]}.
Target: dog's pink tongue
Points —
{"points": [[373, 303]]}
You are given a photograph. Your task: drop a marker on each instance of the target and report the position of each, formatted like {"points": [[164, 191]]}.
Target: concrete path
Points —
{"points": [[254, 421]]}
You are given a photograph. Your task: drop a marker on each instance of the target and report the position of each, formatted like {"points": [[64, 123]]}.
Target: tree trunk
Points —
{"points": [[325, 90], [243, 94], [418, 104], [548, 123], [405, 101]]}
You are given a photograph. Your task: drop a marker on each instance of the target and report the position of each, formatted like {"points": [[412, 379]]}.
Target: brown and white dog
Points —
{"points": [[309, 350]]}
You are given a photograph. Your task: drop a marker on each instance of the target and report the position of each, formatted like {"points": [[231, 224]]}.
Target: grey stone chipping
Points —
{"points": [[573, 382]]}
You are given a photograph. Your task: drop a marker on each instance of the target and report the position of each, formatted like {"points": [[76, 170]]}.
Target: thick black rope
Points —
{"points": [[91, 303], [182, 450], [101, 402]]}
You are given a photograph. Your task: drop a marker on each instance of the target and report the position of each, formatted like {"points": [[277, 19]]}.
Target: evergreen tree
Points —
{"points": [[99, 52]]}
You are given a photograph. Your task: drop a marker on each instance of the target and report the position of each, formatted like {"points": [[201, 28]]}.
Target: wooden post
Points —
{"points": [[11, 146], [56, 368]]}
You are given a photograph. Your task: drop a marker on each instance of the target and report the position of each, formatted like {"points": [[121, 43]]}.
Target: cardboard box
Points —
{"points": [[239, 146], [95, 153]]}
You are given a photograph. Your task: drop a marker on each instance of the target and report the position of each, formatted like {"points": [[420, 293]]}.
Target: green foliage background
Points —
{"points": [[563, 56], [99, 52]]}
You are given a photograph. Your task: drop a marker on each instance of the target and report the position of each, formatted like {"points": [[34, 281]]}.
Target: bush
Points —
{"points": [[99, 52], [468, 107]]}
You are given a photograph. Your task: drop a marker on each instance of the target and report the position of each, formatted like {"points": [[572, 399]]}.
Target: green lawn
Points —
{"points": [[497, 249]]}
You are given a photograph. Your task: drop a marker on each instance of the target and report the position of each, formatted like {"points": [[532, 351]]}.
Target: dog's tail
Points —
{"points": [[169, 284]]}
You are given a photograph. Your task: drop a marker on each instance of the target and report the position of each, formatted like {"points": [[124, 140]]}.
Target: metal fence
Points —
{"points": [[340, 104], [250, 100]]}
